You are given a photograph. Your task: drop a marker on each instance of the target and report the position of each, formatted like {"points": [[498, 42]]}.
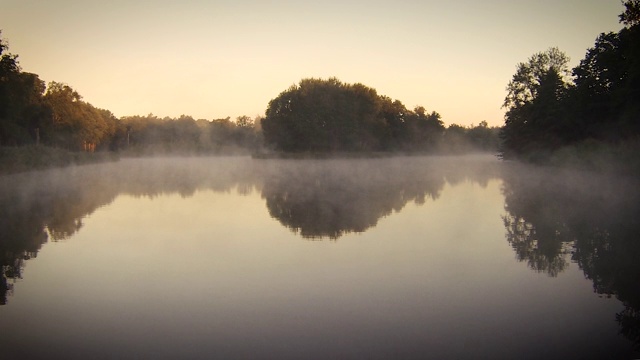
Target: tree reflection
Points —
{"points": [[553, 216], [629, 322], [315, 198], [330, 198], [542, 251], [39, 206]]}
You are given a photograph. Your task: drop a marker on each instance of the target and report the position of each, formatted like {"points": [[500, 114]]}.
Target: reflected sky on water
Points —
{"points": [[383, 258]]}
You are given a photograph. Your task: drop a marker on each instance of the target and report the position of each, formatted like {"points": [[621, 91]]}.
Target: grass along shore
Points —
{"points": [[28, 158]]}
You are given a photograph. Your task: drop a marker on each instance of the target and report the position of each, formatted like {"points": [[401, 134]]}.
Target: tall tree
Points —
{"points": [[424, 129], [75, 124], [533, 103], [328, 115], [631, 15], [608, 82], [393, 114], [13, 90]]}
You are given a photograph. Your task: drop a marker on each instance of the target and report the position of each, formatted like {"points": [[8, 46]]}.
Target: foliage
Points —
{"points": [[481, 138], [531, 76], [608, 86], [56, 115], [20, 95], [549, 109], [330, 116], [73, 123], [150, 134], [534, 103], [631, 14], [319, 116]]}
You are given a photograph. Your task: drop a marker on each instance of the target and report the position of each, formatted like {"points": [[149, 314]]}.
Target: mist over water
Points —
{"points": [[232, 257]]}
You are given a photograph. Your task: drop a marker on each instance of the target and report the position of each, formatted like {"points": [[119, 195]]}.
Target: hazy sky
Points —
{"points": [[218, 58]]}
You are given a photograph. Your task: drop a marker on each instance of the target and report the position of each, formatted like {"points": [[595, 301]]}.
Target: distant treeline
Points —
{"points": [[317, 116], [557, 114], [150, 134], [55, 115], [552, 114], [330, 116]]}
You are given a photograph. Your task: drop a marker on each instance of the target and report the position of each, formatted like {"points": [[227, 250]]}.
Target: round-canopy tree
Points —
{"points": [[328, 115], [323, 115]]}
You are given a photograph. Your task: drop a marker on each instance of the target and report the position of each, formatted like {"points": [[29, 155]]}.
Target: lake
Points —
{"points": [[392, 258]]}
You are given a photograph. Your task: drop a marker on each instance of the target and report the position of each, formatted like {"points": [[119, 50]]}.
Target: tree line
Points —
{"points": [[320, 115], [56, 115], [551, 109], [185, 135], [316, 115]]}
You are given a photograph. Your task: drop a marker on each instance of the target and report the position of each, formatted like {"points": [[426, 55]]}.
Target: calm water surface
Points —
{"points": [[443, 258]]}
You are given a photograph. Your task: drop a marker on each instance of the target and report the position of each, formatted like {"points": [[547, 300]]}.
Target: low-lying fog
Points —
{"points": [[420, 257]]}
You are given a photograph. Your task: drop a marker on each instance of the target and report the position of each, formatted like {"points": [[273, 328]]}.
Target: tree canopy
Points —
{"points": [[533, 102], [549, 107], [631, 14], [315, 115], [327, 116], [56, 115]]}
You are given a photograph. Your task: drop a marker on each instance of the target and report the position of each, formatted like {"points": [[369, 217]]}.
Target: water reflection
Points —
{"points": [[317, 199], [35, 208], [554, 217], [330, 198]]}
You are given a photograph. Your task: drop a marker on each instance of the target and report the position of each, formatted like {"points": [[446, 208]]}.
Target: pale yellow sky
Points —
{"points": [[219, 58]]}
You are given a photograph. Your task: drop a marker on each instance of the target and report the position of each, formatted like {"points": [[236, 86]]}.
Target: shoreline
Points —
{"points": [[15, 160]]}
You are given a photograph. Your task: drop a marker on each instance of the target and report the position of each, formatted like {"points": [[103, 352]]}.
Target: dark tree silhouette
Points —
{"points": [[330, 116], [533, 102], [330, 198], [631, 15], [548, 111]]}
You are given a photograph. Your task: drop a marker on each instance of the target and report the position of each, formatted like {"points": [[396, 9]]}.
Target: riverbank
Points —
{"points": [[619, 158], [28, 158], [303, 155]]}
